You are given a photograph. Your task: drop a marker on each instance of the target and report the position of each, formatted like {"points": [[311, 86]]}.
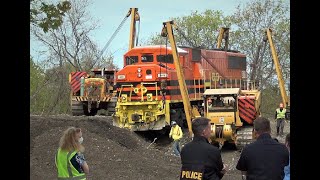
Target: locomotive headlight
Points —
{"points": [[121, 76], [139, 70], [149, 96], [139, 75], [124, 98]]}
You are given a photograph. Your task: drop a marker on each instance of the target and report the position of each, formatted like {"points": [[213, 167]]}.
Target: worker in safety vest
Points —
{"points": [[176, 134], [69, 160], [280, 117]]}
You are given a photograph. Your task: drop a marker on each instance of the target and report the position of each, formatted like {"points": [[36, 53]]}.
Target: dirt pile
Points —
{"points": [[112, 153]]}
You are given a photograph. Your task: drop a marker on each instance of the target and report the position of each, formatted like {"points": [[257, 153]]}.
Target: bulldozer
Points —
{"points": [[92, 92], [232, 112]]}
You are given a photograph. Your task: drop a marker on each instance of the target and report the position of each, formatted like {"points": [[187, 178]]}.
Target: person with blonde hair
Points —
{"points": [[69, 160]]}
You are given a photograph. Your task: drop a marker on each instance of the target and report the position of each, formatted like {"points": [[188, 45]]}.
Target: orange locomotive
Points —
{"points": [[148, 90]]}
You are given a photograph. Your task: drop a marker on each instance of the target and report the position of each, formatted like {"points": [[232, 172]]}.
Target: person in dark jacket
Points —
{"points": [[265, 158], [287, 168], [200, 159]]}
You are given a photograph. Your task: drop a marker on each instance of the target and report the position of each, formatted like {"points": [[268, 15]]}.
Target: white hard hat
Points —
{"points": [[173, 122]]}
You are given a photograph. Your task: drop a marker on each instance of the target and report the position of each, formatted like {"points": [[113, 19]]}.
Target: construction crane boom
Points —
{"points": [[278, 68], [167, 31], [223, 34], [134, 18]]}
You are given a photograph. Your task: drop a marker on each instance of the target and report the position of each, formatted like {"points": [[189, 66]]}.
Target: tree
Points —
{"points": [[69, 48], [71, 42], [195, 30], [247, 27], [48, 16], [38, 88], [247, 35], [250, 22]]}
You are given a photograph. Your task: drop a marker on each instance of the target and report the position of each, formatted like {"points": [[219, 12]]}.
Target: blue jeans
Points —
{"points": [[176, 147]]}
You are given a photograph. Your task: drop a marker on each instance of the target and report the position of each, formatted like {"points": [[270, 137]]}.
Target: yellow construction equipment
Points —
{"points": [[233, 110], [134, 18], [223, 34], [285, 99], [167, 31]]}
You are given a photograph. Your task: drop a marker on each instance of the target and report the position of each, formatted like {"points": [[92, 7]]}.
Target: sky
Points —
{"points": [[110, 13]]}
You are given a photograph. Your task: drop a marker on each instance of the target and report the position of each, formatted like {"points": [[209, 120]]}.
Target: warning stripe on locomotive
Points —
{"points": [[75, 80], [83, 98], [247, 111]]}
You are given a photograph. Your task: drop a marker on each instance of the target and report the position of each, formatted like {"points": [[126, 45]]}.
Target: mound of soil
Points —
{"points": [[112, 153]]}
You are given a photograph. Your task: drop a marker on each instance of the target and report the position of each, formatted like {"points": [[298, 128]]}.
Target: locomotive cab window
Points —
{"points": [[147, 58], [235, 62], [131, 60], [165, 58]]}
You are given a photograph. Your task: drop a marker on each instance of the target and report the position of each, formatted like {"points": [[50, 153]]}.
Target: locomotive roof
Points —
{"points": [[222, 91], [180, 51]]}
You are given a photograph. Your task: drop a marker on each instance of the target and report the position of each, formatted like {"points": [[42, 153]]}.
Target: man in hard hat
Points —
{"points": [[176, 134], [280, 117]]}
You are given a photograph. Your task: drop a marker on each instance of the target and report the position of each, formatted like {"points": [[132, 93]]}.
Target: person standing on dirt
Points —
{"points": [[69, 160], [265, 158], [287, 168], [280, 117], [176, 134], [200, 159]]}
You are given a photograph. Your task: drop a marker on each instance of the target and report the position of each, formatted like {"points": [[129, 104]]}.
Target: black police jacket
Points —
{"points": [[264, 159], [201, 160]]}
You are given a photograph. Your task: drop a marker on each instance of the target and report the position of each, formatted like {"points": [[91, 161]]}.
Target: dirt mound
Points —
{"points": [[112, 153]]}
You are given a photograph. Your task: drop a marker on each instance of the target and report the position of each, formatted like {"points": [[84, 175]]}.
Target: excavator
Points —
{"points": [[231, 118], [285, 99]]}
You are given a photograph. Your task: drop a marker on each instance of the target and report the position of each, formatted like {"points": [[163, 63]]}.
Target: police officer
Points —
{"points": [[280, 116], [200, 159], [265, 158]]}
